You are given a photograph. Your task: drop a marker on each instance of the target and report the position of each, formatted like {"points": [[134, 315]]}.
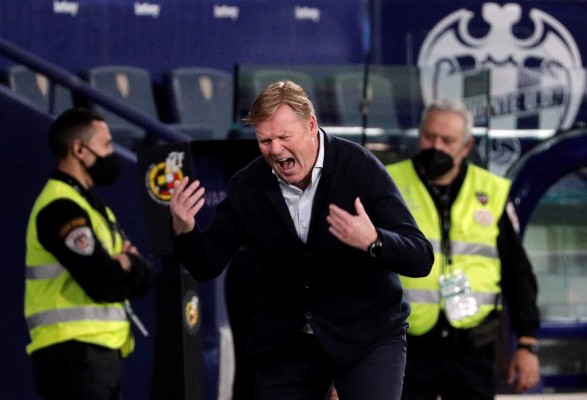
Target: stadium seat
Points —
{"points": [[48, 97], [130, 85], [262, 78], [252, 80], [201, 101], [348, 93]]}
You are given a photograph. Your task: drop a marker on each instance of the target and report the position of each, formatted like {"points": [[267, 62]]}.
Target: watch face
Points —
{"points": [[375, 247]]}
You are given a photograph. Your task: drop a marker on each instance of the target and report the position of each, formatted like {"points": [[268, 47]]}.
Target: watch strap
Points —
{"points": [[376, 246], [532, 348]]}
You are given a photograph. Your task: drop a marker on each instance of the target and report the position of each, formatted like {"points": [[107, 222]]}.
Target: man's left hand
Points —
{"points": [[355, 230]]}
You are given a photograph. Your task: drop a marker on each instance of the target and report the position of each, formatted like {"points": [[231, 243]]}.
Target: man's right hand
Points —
{"points": [[185, 203]]}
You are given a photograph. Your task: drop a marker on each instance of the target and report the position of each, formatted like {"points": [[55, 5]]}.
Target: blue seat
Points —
{"points": [[201, 101], [348, 92], [36, 87], [253, 79], [264, 77], [130, 85]]}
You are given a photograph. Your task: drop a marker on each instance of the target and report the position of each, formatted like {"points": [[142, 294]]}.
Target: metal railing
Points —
{"points": [[78, 86]]}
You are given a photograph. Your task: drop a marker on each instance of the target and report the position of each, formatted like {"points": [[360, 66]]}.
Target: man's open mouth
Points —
{"points": [[286, 164]]}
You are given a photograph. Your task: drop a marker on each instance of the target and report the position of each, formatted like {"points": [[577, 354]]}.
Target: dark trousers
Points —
{"points": [[75, 370], [301, 370], [446, 363], [243, 294]]}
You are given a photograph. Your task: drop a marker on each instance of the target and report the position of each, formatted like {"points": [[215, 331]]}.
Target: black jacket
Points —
{"points": [[350, 299]]}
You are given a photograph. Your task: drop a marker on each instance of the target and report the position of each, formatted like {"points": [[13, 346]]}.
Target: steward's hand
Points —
{"points": [[185, 203], [128, 247], [524, 370]]}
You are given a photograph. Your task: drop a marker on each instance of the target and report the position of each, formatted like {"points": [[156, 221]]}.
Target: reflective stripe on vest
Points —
{"points": [[461, 248], [44, 271], [433, 297], [67, 314], [76, 314], [474, 218]]}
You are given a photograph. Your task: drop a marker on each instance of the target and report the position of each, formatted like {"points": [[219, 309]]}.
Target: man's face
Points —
{"points": [[289, 145], [101, 141], [445, 131]]}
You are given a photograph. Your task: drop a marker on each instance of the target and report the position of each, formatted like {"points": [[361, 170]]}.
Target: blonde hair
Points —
{"points": [[276, 94]]}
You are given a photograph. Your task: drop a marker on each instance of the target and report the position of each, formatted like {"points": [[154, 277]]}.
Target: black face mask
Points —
{"points": [[434, 163], [105, 170]]}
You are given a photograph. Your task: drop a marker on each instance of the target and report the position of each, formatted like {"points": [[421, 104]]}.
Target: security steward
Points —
{"points": [[80, 269], [480, 265]]}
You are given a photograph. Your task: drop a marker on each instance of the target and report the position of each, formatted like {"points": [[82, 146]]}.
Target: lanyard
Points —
{"points": [[442, 200]]}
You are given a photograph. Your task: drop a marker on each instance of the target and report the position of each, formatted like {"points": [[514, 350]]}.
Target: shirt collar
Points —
{"points": [[320, 159]]}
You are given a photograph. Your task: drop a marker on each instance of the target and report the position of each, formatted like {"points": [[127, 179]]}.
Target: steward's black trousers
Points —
{"points": [[75, 370], [446, 362]]}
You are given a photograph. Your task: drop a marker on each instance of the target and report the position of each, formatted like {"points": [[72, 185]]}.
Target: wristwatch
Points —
{"points": [[532, 348], [375, 247]]}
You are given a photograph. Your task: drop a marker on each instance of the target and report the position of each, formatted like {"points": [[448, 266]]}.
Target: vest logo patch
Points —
{"points": [[483, 217], [80, 240], [482, 197]]}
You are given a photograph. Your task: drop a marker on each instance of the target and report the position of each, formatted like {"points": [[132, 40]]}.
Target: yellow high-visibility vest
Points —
{"points": [[56, 308], [473, 233]]}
